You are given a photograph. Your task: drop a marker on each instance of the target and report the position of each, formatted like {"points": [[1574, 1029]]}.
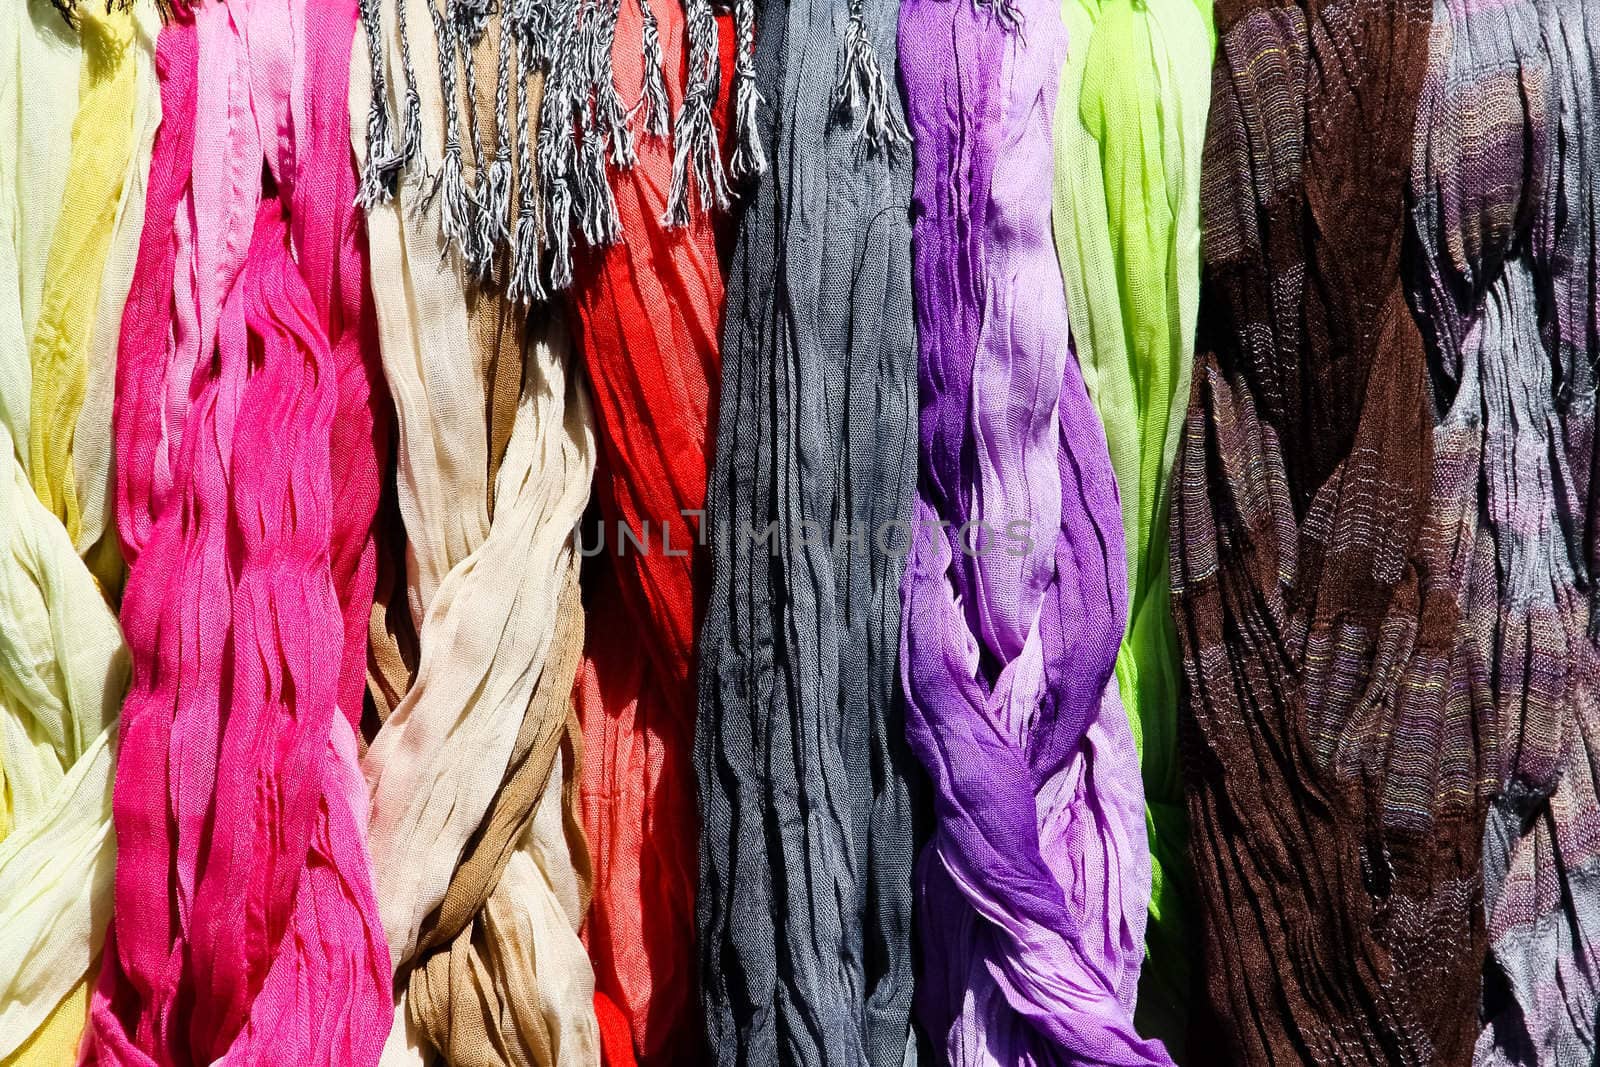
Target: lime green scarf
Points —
{"points": [[1130, 123]]}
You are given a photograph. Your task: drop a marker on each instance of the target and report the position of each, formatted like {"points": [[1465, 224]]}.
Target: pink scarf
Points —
{"points": [[247, 437]]}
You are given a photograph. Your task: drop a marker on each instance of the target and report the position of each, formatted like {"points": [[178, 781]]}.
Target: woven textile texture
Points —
{"points": [[1032, 892], [807, 848], [244, 410], [1323, 584]]}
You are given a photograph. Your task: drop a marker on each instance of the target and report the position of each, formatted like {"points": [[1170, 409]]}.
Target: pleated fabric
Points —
{"points": [[806, 858], [1503, 201], [1032, 892], [646, 312], [479, 859], [63, 663], [1129, 129], [246, 927], [1327, 580]]}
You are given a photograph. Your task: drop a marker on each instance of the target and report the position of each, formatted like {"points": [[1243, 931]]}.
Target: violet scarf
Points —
{"points": [[1032, 893], [247, 929]]}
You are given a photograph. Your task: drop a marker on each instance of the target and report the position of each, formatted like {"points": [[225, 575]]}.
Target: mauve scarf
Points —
{"points": [[1503, 192], [247, 484], [1326, 587], [807, 848], [1032, 892], [1129, 129]]}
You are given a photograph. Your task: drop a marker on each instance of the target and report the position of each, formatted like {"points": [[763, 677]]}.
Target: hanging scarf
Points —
{"points": [[63, 664], [1032, 892], [1325, 585], [481, 876], [1129, 127], [1503, 210], [247, 484], [806, 859], [646, 318], [1542, 861]]}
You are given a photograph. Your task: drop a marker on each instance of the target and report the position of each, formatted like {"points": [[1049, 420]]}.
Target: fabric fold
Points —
{"points": [[1032, 893], [247, 440]]}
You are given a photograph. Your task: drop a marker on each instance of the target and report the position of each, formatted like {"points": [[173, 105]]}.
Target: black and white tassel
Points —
{"points": [[654, 97], [694, 147], [749, 158], [455, 209], [374, 189], [523, 285], [863, 92], [494, 185]]}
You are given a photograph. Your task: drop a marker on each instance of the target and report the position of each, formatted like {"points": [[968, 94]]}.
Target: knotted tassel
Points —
{"points": [[863, 94]]}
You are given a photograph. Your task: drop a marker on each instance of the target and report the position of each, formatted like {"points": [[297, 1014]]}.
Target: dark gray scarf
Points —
{"points": [[808, 844]]}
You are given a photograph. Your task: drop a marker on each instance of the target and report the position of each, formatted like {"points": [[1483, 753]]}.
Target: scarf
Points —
{"points": [[63, 664], [646, 312], [480, 876], [805, 864], [1324, 578], [1130, 122], [1032, 892], [1503, 212], [246, 443]]}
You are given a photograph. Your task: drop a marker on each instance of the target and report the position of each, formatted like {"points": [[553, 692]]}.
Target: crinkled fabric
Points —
{"points": [[1130, 126], [808, 839], [1326, 584], [247, 440], [646, 315], [1032, 892], [1503, 211]]}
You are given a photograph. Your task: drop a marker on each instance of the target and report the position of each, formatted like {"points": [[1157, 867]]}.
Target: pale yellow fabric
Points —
{"points": [[71, 179]]}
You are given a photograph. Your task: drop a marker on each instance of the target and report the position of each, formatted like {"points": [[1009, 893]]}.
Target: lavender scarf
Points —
{"points": [[1032, 892]]}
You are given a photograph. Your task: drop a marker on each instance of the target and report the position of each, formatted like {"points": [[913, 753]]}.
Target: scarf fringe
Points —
{"points": [[585, 130], [863, 92]]}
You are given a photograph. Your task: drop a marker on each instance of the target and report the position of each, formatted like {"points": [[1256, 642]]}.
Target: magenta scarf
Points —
{"points": [[247, 432]]}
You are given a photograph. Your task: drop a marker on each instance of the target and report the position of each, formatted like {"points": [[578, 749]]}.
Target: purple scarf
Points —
{"points": [[1033, 890]]}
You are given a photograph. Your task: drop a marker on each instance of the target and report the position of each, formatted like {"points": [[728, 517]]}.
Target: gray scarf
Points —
{"points": [[807, 847]]}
